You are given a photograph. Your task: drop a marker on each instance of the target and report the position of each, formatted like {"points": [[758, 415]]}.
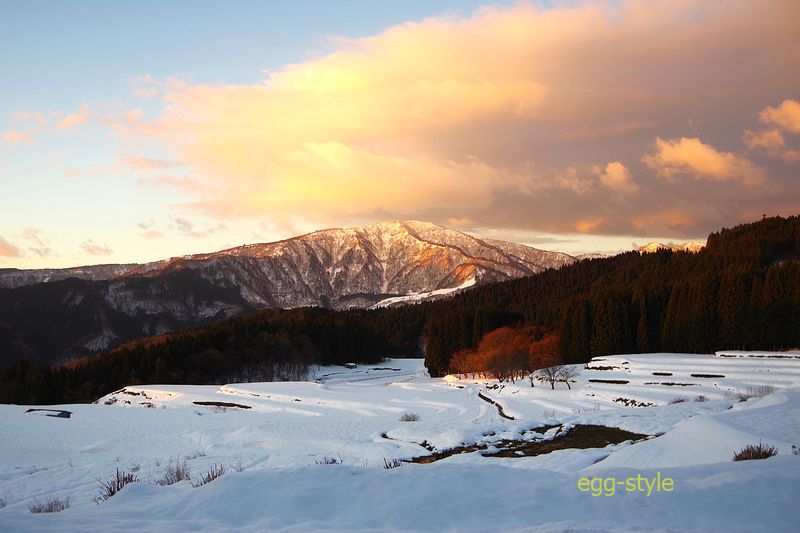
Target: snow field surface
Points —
{"points": [[274, 452]]}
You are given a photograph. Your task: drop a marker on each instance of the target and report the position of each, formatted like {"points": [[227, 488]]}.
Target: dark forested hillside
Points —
{"points": [[742, 291], [53, 322]]}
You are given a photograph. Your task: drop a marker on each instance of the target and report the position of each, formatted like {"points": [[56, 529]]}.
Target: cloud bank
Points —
{"points": [[632, 117]]}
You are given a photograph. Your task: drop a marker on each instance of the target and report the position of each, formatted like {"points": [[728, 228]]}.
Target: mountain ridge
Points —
{"points": [[392, 262]]}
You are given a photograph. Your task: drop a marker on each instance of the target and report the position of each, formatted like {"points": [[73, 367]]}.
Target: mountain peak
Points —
{"points": [[688, 246]]}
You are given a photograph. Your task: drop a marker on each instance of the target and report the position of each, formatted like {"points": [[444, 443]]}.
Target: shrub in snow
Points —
{"points": [[677, 400], [409, 417], [238, 466], [174, 472], [756, 391], [109, 488], [329, 461], [210, 476], [701, 398], [50, 505], [795, 451], [752, 451], [2, 503], [760, 390], [394, 463], [196, 454]]}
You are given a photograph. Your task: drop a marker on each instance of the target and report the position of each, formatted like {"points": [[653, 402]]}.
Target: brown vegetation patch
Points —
{"points": [[755, 451]]}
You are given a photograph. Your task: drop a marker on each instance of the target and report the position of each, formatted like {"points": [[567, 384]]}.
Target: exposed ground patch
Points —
{"points": [[223, 404], [579, 437], [53, 413], [670, 384], [499, 407]]}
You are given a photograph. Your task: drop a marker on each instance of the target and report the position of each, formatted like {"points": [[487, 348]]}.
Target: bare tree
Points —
{"points": [[567, 373], [551, 374], [554, 374]]}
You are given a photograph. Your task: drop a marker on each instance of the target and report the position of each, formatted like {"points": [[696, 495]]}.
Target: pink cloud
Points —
{"points": [[8, 250], [89, 247], [14, 137]]}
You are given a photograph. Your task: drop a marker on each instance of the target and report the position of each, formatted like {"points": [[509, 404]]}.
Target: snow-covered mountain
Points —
{"points": [[688, 246], [338, 268], [384, 264]]}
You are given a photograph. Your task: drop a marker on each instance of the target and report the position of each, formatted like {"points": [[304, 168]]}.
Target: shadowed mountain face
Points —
{"points": [[88, 309]]}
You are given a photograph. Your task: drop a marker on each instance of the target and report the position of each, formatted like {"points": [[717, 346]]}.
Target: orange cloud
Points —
{"points": [[617, 178], [786, 115], [586, 226], [17, 137], [670, 218], [771, 141], [689, 156], [455, 116]]}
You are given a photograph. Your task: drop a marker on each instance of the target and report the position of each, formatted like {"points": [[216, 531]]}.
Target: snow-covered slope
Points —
{"points": [[275, 444]]}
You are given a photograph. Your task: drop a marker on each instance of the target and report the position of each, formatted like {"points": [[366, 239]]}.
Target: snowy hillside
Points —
{"points": [[679, 416]]}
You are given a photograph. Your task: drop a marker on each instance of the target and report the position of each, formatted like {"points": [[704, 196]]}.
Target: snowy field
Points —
{"points": [[274, 440]]}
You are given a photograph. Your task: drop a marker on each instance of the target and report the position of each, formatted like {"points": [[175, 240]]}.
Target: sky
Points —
{"points": [[136, 131]]}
